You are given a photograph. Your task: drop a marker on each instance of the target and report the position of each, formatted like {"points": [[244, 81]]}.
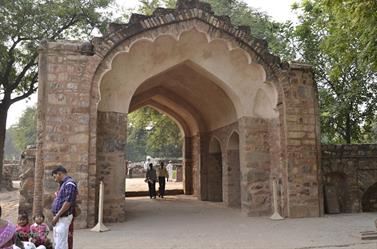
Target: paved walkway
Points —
{"points": [[182, 222]]}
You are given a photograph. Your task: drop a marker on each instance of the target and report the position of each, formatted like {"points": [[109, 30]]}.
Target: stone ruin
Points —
{"points": [[247, 117], [27, 180]]}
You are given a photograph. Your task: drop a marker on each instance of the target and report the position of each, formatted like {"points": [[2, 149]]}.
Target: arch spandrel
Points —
{"points": [[176, 23], [230, 69]]}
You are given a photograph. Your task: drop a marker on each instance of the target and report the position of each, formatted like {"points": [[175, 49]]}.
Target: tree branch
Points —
{"points": [[29, 92], [11, 60]]}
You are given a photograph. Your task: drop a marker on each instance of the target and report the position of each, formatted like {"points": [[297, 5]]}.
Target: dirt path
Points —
{"points": [[9, 205]]}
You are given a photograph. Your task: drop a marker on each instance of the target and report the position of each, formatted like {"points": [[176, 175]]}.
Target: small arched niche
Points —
{"points": [[369, 199], [214, 171], [233, 171]]}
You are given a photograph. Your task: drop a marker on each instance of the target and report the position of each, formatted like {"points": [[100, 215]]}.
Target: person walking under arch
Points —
{"points": [[162, 174], [151, 179]]}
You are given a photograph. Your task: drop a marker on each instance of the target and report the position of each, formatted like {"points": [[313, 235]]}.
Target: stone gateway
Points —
{"points": [[247, 118]]}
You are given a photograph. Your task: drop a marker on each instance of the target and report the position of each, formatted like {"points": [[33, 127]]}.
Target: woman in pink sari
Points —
{"points": [[7, 232]]}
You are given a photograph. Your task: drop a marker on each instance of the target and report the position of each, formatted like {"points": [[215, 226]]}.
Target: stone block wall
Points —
{"points": [[14, 169], [350, 177], [27, 180], [255, 167], [301, 135], [64, 102]]}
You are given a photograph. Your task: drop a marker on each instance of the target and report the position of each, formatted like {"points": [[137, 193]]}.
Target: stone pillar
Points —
{"points": [[255, 167], [65, 76], [187, 166], [203, 167], [111, 141], [195, 155], [27, 181], [304, 192]]}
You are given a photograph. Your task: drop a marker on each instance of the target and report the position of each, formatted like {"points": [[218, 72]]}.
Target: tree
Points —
{"points": [[328, 38], [24, 133], [24, 23], [354, 19], [10, 150], [152, 133]]}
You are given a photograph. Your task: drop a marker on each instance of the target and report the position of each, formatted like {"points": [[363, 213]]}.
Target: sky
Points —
{"points": [[279, 10]]}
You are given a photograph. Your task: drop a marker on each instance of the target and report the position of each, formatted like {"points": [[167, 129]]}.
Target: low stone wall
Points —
{"points": [[13, 169], [350, 178], [27, 167]]}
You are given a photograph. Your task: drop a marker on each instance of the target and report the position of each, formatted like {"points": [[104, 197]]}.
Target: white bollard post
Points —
{"points": [[100, 227], [276, 215]]}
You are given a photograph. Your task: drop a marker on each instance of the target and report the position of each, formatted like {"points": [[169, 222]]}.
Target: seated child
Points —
{"points": [[22, 228], [39, 231]]}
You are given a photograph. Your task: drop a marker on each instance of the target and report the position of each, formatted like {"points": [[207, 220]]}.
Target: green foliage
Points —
{"points": [[10, 150], [328, 39], [151, 133], [262, 26], [24, 133], [24, 23]]}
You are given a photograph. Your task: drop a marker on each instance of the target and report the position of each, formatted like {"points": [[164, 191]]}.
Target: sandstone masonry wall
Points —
{"points": [[302, 144], [111, 164]]}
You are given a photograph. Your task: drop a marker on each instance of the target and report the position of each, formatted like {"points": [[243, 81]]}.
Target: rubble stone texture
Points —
{"points": [[247, 118], [27, 180]]}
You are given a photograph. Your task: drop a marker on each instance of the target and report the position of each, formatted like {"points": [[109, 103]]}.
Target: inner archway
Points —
{"points": [[233, 171], [153, 136], [207, 87]]}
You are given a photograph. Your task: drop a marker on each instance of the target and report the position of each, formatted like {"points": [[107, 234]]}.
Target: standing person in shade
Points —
{"points": [[169, 168], [151, 179], [162, 173], [63, 207]]}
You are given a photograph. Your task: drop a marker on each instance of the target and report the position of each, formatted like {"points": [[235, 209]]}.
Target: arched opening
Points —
{"points": [[233, 171], [369, 199], [205, 85], [214, 171], [153, 136], [335, 191]]}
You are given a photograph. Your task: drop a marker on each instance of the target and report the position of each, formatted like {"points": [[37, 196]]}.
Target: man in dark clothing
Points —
{"points": [[151, 179], [162, 174], [63, 207]]}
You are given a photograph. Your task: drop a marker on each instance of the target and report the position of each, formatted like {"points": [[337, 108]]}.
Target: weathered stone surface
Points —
{"points": [[27, 180], [218, 83], [351, 170]]}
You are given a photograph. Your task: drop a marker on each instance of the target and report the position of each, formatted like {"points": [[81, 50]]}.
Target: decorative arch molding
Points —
{"points": [[230, 143], [178, 120], [237, 61], [188, 15], [217, 27], [145, 97]]}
